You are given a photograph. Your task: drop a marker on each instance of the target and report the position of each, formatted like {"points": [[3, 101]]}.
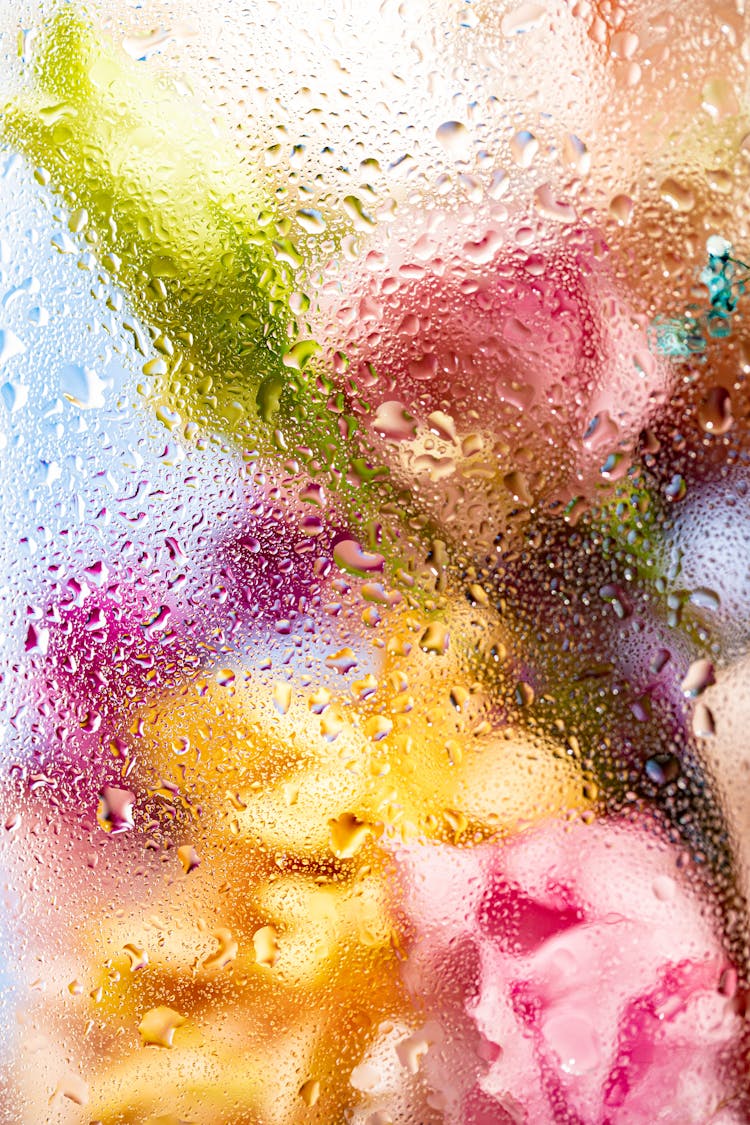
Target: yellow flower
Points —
{"points": [[273, 947]]}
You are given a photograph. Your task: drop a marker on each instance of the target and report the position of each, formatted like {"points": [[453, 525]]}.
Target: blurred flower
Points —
{"points": [[471, 337], [578, 976]]}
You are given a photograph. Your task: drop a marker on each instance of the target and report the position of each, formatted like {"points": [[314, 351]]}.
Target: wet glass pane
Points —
{"points": [[374, 565]]}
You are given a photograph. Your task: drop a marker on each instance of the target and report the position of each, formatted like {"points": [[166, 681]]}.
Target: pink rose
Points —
{"points": [[541, 344], [578, 977]]}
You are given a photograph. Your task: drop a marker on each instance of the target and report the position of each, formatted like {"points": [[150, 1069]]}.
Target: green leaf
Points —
{"points": [[182, 227]]}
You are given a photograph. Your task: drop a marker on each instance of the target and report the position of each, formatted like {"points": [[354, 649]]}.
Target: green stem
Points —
{"points": [[175, 221]]}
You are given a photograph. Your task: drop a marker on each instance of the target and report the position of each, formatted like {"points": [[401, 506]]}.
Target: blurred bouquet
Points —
{"points": [[392, 778]]}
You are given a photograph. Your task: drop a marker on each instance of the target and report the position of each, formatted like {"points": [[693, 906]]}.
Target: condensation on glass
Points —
{"points": [[374, 583]]}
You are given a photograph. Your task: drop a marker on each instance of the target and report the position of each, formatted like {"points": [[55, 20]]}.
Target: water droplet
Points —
{"points": [[443, 425], [365, 688], [347, 834], [719, 99], [10, 345], [343, 660], [715, 412], [365, 1077], [73, 1087], [78, 220], [659, 661], [38, 316], [621, 209], [728, 982], [137, 955], [550, 207], [141, 47], [310, 1091], [282, 697], [158, 1026], [720, 180], [81, 386], [455, 139], [188, 857], [63, 243], [516, 484], [319, 700], [478, 594], [664, 888], [411, 1051], [499, 184], [524, 694], [602, 431], [623, 45], [524, 147], [574, 1040], [679, 197], [300, 354], [700, 675], [37, 639], [424, 368], [311, 220], [226, 953], [435, 638], [617, 598], [313, 494], [523, 19], [312, 526], [378, 727], [392, 421], [155, 368], [704, 725], [483, 251], [677, 488], [355, 209], [15, 396], [266, 944], [662, 769], [350, 557], [158, 622], [576, 155], [115, 811], [706, 599]]}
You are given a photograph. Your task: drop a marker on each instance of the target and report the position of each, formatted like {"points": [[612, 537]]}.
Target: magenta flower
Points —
{"points": [[578, 977]]}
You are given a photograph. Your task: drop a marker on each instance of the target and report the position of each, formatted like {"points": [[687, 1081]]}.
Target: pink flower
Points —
{"points": [[541, 344], [578, 977]]}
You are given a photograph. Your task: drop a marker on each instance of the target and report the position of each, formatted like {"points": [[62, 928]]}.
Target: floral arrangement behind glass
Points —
{"points": [[408, 787]]}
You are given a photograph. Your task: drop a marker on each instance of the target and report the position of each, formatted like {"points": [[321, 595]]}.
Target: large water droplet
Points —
{"points": [[349, 556], [700, 675], [81, 386], [158, 1026], [455, 138], [523, 19], [573, 1038], [393, 421], [115, 812]]}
